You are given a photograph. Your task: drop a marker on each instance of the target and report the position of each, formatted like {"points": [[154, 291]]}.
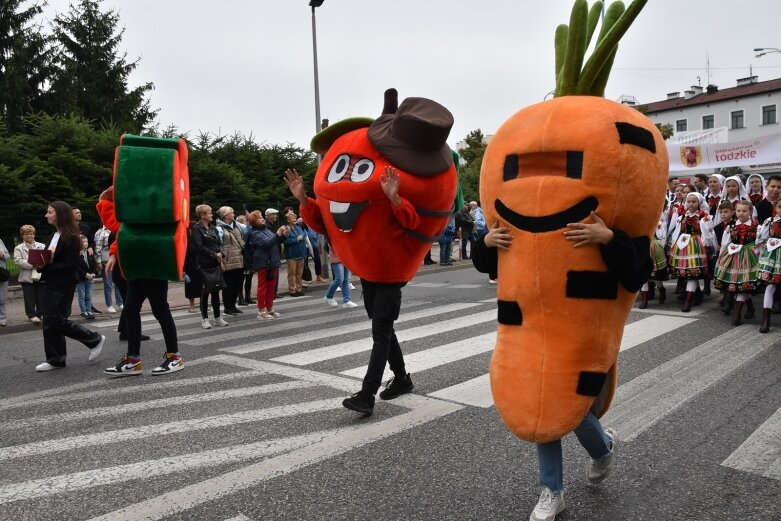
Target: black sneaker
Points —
{"points": [[361, 401], [231, 312], [396, 387], [96, 311]]}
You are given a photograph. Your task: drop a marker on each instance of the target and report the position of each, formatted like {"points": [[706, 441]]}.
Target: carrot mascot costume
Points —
{"points": [[562, 309]]}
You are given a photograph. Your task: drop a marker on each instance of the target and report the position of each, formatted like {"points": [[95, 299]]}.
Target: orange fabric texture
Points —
{"points": [[536, 366], [376, 241]]}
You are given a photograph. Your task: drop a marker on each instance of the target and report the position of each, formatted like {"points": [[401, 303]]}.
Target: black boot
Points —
{"points": [[765, 320], [730, 304], [396, 387], [643, 300], [697, 297], [738, 320], [651, 289], [687, 301], [662, 294], [361, 401], [749, 309], [706, 291]]}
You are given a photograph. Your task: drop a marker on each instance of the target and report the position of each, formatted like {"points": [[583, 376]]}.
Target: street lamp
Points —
{"points": [[765, 50], [315, 4]]}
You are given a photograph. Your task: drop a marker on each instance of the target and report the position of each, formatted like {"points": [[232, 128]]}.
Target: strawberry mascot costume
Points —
{"points": [[383, 194]]}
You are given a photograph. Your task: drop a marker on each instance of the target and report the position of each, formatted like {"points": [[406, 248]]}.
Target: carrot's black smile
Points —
{"points": [[548, 223]]}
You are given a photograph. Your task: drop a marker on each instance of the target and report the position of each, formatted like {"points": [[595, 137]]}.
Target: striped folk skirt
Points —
{"points": [[659, 260], [737, 272], [691, 261], [769, 266]]}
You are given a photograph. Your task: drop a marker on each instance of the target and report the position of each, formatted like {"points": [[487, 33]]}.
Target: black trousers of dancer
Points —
{"points": [[383, 303], [156, 291], [57, 303], [233, 279]]}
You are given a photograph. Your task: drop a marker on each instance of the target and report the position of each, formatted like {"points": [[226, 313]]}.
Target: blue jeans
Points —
{"points": [[108, 288], [84, 291], [590, 434], [445, 252], [341, 278]]}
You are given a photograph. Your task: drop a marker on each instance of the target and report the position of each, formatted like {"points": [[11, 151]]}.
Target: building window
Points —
{"points": [[707, 122], [737, 119], [680, 125], [769, 115]]}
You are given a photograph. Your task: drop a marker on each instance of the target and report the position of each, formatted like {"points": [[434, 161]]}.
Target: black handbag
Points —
{"points": [[4, 274], [213, 279]]}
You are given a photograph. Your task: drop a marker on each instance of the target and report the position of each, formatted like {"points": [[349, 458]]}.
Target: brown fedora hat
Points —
{"points": [[413, 138]]}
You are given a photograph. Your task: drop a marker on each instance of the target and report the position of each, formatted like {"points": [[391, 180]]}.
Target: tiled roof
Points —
{"points": [[720, 95]]}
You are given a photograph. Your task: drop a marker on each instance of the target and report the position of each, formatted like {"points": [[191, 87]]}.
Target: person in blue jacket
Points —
{"points": [[295, 251], [263, 244]]}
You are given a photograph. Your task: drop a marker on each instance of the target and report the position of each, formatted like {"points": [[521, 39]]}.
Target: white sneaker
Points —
{"points": [[94, 352], [331, 302], [46, 366], [220, 322], [111, 309], [351, 286], [274, 314], [492, 281], [338, 288], [206, 324], [121, 306], [264, 314], [599, 469], [35, 320], [548, 506], [350, 304]]}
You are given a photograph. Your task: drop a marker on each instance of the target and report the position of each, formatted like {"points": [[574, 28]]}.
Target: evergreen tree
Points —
{"points": [[25, 63], [469, 176], [92, 73]]}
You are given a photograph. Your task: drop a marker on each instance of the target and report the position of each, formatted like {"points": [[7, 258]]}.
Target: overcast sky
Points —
{"points": [[246, 65]]}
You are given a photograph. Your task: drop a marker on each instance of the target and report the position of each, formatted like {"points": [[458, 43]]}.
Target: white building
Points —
{"points": [[747, 111]]}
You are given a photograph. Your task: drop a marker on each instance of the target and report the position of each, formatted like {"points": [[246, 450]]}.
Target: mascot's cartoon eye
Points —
{"points": [[362, 170], [339, 168]]}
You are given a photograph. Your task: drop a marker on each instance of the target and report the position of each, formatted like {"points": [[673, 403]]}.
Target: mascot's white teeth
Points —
{"points": [[345, 214], [336, 207]]}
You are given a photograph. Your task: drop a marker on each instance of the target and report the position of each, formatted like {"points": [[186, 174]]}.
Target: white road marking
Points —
{"points": [[649, 328], [363, 325], [177, 401], [466, 286], [488, 300], [145, 431], [128, 387], [761, 452], [191, 496], [644, 401], [240, 517], [475, 392], [163, 466], [56, 394], [320, 354], [695, 311], [267, 327], [436, 356], [144, 318], [430, 285]]}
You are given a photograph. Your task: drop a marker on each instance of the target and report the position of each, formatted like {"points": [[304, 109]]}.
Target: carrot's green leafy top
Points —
{"points": [[571, 42]]}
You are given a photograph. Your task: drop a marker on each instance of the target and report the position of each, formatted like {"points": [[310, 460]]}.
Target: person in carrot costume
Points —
{"points": [[561, 310]]}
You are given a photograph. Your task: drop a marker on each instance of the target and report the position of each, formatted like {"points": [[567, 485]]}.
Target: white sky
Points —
{"points": [[246, 65]]}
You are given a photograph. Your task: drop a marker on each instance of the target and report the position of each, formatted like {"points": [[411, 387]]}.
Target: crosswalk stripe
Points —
{"points": [[144, 318], [162, 429], [163, 466], [126, 408], [650, 328], [761, 452], [475, 392], [191, 496], [240, 517], [466, 286], [695, 311], [128, 388], [488, 300], [363, 325], [61, 393], [436, 356], [642, 402], [356, 346], [267, 327], [429, 284]]}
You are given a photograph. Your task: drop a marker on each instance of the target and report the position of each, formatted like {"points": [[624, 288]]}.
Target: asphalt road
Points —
{"points": [[253, 428]]}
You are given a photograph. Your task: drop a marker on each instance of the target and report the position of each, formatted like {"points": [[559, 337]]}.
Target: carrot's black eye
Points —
{"points": [[629, 134]]}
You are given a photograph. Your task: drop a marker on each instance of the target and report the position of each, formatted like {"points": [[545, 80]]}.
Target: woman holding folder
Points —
{"points": [[60, 271]]}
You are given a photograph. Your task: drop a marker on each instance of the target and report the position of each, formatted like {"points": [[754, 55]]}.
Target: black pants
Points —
{"points": [[248, 285], [467, 238], [318, 266], [56, 326], [156, 291], [121, 284], [33, 298], [382, 302], [233, 279], [205, 302]]}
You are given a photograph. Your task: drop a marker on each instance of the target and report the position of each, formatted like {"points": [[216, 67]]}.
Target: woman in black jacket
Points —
{"points": [[208, 254], [61, 277]]}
